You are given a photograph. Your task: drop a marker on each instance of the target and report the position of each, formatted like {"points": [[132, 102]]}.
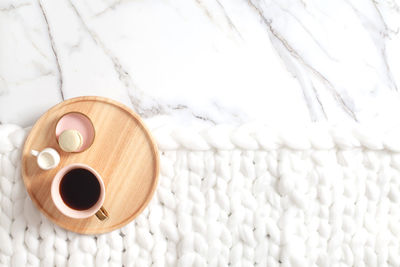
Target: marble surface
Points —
{"points": [[205, 61]]}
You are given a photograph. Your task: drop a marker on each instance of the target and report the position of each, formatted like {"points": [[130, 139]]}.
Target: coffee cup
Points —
{"points": [[78, 191], [47, 159]]}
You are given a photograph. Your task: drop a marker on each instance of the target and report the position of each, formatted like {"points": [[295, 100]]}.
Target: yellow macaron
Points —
{"points": [[70, 140]]}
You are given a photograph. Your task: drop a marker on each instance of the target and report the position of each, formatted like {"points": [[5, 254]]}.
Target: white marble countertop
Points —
{"points": [[205, 61]]}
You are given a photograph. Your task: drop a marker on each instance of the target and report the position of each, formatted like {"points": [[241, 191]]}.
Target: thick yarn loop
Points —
{"points": [[247, 196], [251, 137]]}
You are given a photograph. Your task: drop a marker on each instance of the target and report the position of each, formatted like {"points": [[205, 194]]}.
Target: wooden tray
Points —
{"points": [[123, 153]]}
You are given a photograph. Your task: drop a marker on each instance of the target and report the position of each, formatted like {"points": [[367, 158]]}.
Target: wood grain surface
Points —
{"points": [[123, 153]]}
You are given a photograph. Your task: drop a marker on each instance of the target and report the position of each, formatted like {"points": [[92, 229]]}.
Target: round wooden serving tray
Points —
{"points": [[123, 153]]}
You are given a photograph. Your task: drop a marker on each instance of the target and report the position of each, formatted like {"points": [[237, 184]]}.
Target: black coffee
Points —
{"points": [[80, 189]]}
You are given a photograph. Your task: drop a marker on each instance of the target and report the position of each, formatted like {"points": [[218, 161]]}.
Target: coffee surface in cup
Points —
{"points": [[80, 189]]}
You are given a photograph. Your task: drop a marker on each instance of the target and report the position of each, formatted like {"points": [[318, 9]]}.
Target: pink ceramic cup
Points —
{"points": [[97, 209]]}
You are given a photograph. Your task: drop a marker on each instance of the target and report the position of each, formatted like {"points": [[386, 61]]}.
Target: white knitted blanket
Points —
{"points": [[238, 197]]}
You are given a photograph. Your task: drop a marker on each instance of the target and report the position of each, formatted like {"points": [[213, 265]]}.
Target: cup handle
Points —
{"points": [[102, 214], [34, 152]]}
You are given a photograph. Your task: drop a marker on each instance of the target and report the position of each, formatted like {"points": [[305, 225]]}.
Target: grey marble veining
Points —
{"points": [[205, 61]]}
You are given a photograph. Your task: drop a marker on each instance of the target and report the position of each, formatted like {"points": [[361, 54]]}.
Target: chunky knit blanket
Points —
{"points": [[244, 196]]}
